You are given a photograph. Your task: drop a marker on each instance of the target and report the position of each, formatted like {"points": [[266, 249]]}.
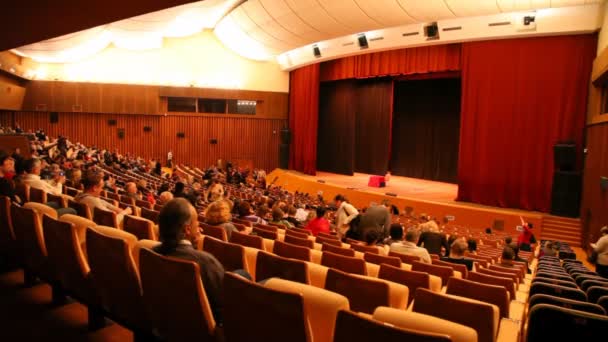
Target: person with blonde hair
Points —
{"points": [[218, 214]]}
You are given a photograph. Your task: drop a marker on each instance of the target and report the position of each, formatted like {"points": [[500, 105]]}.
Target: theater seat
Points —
{"points": [[507, 283], [344, 263], [7, 234], [566, 303], [82, 209], [80, 224], [141, 244], [422, 322], [41, 209], [105, 218], [411, 279], [29, 239], [382, 259], [553, 323], [321, 306], [247, 240], [492, 294], [270, 265], [353, 327], [186, 313], [140, 227], [256, 312], [441, 271], [230, 255], [288, 250]]}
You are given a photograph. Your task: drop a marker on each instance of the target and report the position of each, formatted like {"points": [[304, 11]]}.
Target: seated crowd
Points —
{"points": [[187, 205]]}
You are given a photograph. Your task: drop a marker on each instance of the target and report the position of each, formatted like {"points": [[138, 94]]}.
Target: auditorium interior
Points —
{"points": [[304, 170]]}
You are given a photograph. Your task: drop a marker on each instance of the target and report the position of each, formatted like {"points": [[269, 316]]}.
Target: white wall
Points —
{"points": [[602, 41], [199, 60]]}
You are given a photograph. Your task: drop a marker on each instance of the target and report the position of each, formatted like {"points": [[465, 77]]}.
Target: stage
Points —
{"points": [[425, 197]]}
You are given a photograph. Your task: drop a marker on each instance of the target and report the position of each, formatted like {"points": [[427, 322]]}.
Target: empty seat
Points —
{"points": [[328, 236], [344, 263], [298, 241], [507, 283], [7, 235], [105, 218], [441, 271], [29, 239], [151, 215], [554, 282], [217, 232], [552, 275], [408, 259], [338, 250], [140, 227], [411, 279], [514, 278], [492, 294], [456, 267], [301, 231], [482, 317], [595, 292], [247, 240], [59, 199], [23, 191], [38, 195], [553, 323], [82, 209], [270, 265], [364, 294], [422, 322], [230, 255], [115, 276], [603, 302], [558, 291], [186, 313], [249, 308], [288, 250], [580, 278], [330, 241], [321, 306], [381, 259], [292, 232], [266, 234], [143, 204], [351, 327], [565, 303], [365, 249]]}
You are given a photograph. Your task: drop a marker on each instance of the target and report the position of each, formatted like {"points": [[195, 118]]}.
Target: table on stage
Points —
{"points": [[376, 181]]}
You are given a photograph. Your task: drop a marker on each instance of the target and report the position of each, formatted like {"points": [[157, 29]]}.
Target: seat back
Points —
{"points": [[250, 307], [565, 303], [82, 209], [105, 218], [327, 236], [7, 235], [513, 277], [344, 263], [62, 201], [441, 271], [23, 191], [37, 195], [217, 232], [507, 283], [482, 317], [301, 231], [299, 241], [517, 271], [270, 265], [364, 294], [66, 259], [288, 250], [492, 294], [338, 250], [230, 255], [149, 214], [456, 267], [558, 291], [247, 240], [329, 241], [294, 233], [595, 292], [411, 279], [115, 275], [365, 249], [353, 327], [592, 282], [186, 313], [422, 322], [29, 238], [382, 259], [603, 302], [408, 259], [140, 227], [264, 233], [555, 282], [564, 323], [143, 204]]}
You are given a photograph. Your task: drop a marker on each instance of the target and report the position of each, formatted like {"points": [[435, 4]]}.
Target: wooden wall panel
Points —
{"points": [[595, 200], [238, 137], [138, 99]]}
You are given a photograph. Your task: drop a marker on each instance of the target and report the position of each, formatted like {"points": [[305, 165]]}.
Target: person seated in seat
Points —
{"points": [[459, 246], [93, 185], [291, 216], [507, 258], [472, 246], [395, 234], [246, 213], [433, 240], [178, 231], [515, 248], [164, 197], [278, 217], [131, 191], [319, 224], [33, 168], [409, 247], [218, 214]]}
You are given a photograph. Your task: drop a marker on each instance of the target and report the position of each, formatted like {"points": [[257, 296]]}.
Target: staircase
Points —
{"points": [[563, 229]]}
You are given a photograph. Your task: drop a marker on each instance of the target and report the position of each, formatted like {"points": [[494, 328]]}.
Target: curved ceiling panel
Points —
{"points": [[285, 17], [428, 10], [350, 15], [387, 12], [316, 16], [472, 8]]}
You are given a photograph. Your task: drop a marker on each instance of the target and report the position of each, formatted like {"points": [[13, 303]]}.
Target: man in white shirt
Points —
{"points": [[93, 185], [33, 167], [601, 248], [346, 212], [409, 247]]}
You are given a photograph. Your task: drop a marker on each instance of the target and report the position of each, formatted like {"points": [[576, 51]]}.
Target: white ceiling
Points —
{"points": [[262, 29]]}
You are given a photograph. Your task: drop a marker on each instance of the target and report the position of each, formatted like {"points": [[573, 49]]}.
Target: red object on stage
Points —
{"points": [[376, 181]]}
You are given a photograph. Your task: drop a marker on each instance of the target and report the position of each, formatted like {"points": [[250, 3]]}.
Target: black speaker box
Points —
{"points": [[213, 141], [54, 117], [284, 156], [112, 122], [147, 129], [431, 31], [566, 193], [181, 135], [316, 51], [285, 136], [121, 133], [362, 39], [564, 157]]}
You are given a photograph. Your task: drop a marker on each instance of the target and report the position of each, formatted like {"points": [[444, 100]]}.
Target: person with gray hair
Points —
{"points": [[457, 250], [164, 197], [408, 247]]}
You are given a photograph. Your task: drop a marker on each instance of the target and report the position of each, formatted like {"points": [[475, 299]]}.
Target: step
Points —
{"points": [[578, 223], [561, 229], [560, 218], [569, 239]]}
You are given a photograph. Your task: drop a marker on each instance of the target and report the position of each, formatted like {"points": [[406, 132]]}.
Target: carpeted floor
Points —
{"points": [[26, 314]]}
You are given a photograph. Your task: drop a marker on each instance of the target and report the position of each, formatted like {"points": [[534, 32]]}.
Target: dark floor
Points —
{"points": [[26, 314]]}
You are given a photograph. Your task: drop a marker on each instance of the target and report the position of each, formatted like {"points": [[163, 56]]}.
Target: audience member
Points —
{"points": [[319, 224], [7, 170], [524, 240], [278, 217], [218, 214], [378, 218], [409, 246], [600, 248], [457, 250], [345, 213], [246, 213], [433, 240], [93, 185]]}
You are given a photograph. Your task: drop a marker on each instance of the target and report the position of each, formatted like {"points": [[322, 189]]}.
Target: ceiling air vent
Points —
{"points": [[375, 39], [407, 34], [501, 23], [454, 28]]}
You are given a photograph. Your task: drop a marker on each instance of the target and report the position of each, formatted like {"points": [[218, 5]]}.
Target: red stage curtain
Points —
{"points": [[520, 97], [303, 118], [420, 60]]}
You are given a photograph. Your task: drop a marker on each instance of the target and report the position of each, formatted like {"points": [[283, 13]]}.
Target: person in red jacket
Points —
{"points": [[524, 241], [319, 224]]}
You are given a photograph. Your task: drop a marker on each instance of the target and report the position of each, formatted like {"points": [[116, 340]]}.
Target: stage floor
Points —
{"points": [[419, 189]]}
